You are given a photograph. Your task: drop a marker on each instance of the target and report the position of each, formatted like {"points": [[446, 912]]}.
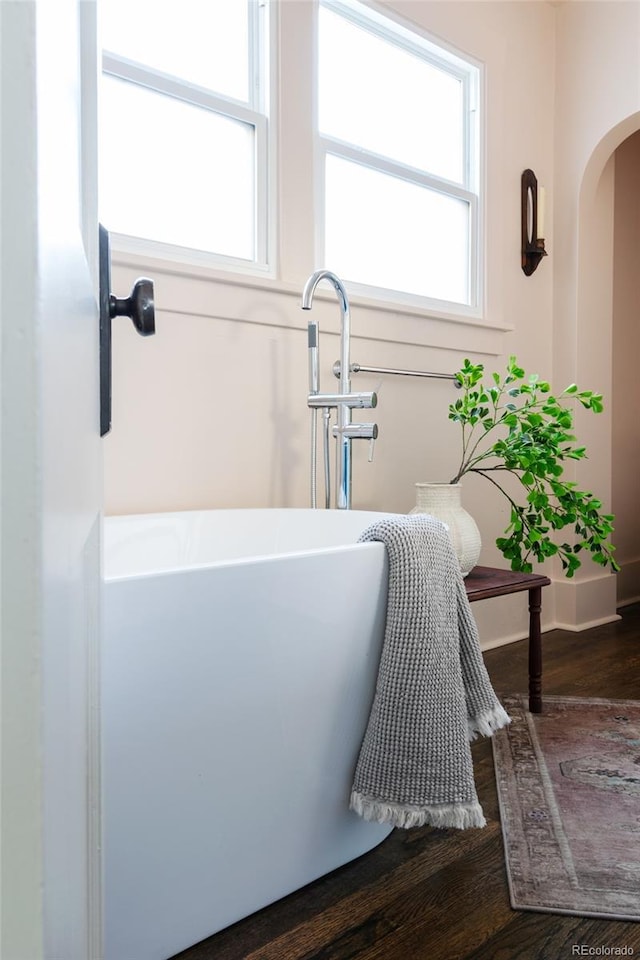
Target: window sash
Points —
{"points": [[422, 180], [254, 113], [389, 29]]}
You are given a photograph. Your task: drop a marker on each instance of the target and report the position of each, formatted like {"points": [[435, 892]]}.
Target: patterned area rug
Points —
{"points": [[569, 789]]}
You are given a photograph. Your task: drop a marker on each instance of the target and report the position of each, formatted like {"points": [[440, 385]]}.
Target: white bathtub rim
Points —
{"points": [[241, 561], [153, 568]]}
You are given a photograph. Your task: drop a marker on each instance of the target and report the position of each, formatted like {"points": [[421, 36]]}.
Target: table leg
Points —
{"points": [[535, 650]]}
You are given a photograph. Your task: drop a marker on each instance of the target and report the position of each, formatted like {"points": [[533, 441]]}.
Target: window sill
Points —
{"points": [[185, 288]]}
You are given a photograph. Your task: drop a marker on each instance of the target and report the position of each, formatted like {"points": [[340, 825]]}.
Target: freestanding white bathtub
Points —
{"points": [[239, 661]]}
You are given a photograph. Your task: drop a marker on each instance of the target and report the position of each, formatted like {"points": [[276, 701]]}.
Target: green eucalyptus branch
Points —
{"points": [[516, 425]]}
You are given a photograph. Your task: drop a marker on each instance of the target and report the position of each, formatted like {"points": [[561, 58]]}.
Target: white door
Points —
{"points": [[51, 482]]}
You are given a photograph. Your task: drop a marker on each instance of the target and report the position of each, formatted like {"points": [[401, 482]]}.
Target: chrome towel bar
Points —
{"points": [[361, 368]]}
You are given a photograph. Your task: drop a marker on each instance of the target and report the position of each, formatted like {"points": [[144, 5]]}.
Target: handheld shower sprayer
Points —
{"points": [[314, 355]]}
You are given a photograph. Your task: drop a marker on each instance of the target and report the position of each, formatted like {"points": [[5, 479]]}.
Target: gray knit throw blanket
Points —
{"points": [[433, 693]]}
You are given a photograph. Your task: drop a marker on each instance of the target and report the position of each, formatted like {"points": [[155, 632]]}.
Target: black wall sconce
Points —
{"points": [[532, 223]]}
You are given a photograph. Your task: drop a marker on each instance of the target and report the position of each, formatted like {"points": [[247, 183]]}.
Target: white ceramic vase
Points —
{"points": [[443, 501]]}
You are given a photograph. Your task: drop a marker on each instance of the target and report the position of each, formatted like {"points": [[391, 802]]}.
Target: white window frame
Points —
{"points": [[255, 112], [416, 41]]}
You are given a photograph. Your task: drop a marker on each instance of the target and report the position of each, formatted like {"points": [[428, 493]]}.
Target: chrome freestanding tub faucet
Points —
{"points": [[345, 431]]}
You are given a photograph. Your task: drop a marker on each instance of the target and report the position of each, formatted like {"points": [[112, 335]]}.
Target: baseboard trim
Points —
{"points": [[585, 625], [628, 582], [504, 641], [547, 628], [584, 603], [628, 601], [571, 605]]}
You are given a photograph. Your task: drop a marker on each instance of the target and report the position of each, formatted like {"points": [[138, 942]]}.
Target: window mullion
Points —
{"points": [[474, 252], [263, 239], [258, 20], [298, 169]]}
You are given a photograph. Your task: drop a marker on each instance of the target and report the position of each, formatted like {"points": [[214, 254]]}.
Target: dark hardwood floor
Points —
{"points": [[427, 894]]}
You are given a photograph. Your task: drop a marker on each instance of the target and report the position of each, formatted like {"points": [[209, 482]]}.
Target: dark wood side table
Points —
{"points": [[485, 582]]}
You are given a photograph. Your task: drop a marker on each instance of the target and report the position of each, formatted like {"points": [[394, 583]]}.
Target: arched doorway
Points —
{"points": [[593, 346], [625, 433]]}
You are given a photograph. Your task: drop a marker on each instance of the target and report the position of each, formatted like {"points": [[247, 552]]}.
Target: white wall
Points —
{"points": [[596, 107], [212, 412], [626, 384]]}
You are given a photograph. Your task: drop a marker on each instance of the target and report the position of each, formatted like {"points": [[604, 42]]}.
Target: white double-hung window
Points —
{"points": [[183, 128], [398, 159]]}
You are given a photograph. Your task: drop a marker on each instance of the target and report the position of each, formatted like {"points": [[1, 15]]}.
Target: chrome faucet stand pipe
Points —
{"points": [[343, 404]]}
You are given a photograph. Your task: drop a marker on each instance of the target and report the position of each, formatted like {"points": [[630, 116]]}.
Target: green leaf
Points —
{"points": [[531, 442]]}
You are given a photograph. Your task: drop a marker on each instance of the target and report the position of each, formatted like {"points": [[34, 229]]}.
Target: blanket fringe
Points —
{"points": [[487, 723], [458, 815]]}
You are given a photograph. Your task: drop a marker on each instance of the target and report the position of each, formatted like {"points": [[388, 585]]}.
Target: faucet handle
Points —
{"points": [[361, 400], [372, 443], [357, 431]]}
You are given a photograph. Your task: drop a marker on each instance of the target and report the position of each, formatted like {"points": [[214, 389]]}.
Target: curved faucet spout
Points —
{"points": [[345, 320], [312, 283]]}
